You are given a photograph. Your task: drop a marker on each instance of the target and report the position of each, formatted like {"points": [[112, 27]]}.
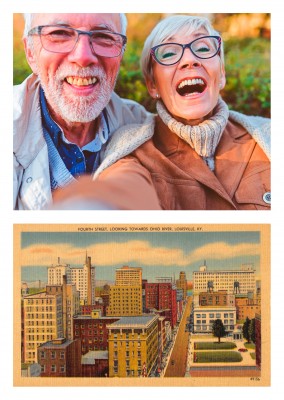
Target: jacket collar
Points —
{"points": [[235, 143]]}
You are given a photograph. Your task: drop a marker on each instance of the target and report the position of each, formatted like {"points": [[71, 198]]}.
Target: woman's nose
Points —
{"points": [[189, 60]]}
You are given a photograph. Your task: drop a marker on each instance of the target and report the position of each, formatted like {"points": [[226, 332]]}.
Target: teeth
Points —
{"points": [[81, 81], [191, 82]]}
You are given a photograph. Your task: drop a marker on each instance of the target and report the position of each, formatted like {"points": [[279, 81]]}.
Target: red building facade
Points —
{"points": [[162, 297], [92, 332], [60, 358]]}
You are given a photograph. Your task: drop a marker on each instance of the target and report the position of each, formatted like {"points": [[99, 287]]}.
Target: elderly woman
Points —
{"points": [[196, 154]]}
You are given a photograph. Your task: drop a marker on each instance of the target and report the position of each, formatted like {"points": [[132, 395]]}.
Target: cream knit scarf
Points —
{"points": [[203, 138]]}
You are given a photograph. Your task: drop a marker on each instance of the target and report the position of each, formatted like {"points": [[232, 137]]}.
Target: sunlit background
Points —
{"points": [[247, 56]]}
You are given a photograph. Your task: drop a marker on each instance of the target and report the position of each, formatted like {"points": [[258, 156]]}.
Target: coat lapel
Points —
{"points": [[232, 156]]}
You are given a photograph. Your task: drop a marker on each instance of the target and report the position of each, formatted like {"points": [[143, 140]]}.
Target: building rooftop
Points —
{"points": [[80, 316], [92, 356], [41, 295], [57, 343], [135, 321]]}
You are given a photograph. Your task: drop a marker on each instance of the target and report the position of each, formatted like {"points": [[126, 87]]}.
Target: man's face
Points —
{"points": [[77, 85]]}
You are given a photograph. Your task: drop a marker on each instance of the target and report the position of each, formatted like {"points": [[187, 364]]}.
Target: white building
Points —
{"points": [[203, 318], [83, 278], [234, 281]]}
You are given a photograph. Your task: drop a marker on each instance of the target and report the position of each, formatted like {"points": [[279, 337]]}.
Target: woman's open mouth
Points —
{"points": [[188, 87]]}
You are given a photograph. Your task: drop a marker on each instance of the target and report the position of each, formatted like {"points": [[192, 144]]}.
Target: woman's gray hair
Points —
{"points": [[29, 18], [168, 27]]}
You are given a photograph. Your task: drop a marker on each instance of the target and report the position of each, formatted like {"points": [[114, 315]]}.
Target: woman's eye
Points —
{"points": [[168, 55], [203, 49]]}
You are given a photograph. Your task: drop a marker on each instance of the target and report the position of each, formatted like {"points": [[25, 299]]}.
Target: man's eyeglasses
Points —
{"points": [[62, 39], [171, 53]]}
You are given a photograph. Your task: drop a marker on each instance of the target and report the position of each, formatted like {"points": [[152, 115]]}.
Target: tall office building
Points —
{"points": [[70, 304], [125, 297], [43, 321], [182, 283], [133, 346], [83, 278], [162, 296], [128, 276], [234, 281]]}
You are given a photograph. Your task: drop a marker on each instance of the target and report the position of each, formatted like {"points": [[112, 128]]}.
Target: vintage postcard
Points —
{"points": [[141, 305]]}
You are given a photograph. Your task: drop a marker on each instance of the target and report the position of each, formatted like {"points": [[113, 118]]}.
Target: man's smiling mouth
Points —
{"points": [[78, 81], [188, 87]]}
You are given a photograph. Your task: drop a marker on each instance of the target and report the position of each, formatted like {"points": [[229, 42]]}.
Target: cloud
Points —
{"points": [[222, 250], [135, 251]]}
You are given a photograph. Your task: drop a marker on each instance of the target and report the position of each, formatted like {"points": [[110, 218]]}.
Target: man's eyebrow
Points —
{"points": [[100, 27]]}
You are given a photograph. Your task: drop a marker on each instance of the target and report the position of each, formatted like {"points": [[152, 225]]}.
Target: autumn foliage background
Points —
{"points": [[247, 59]]}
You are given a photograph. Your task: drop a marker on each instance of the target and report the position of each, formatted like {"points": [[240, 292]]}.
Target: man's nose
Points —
{"points": [[189, 60], [82, 54]]}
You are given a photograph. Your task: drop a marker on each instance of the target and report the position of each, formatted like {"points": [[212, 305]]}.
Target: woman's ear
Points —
{"points": [[151, 86], [222, 78], [30, 55]]}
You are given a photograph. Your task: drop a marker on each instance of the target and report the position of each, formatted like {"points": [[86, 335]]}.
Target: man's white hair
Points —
{"points": [[170, 26], [29, 18]]}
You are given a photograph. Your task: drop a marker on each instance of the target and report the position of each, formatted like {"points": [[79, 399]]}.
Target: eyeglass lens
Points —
{"points": [[171, 53], [63, 40]]}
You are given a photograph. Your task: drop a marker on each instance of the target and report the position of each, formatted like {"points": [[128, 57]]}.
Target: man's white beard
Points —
{"points": [[78, 108]]}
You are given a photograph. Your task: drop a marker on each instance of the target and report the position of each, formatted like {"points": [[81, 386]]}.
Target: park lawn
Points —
{"points": [[217, 356], [214, 345], [249, 345]]}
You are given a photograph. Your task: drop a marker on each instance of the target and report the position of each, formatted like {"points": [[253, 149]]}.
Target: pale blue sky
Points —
{"points": [[159, 254]]}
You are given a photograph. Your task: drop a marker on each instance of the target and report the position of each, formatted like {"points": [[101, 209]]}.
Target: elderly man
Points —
{"points": [[66, 110]]}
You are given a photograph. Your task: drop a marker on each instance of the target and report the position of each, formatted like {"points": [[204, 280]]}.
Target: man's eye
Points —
{"points": [[103, 37], [60, 33]]}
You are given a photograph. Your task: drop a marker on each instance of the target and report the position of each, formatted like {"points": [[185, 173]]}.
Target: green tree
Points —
{"points": [[218, 329], [246, 333]]}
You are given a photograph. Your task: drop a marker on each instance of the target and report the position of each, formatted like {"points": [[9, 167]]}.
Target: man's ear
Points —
{"points": [[151, 86], [30, 56]]}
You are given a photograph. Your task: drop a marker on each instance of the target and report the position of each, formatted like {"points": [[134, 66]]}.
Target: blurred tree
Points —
{"points": [[247, 57]]}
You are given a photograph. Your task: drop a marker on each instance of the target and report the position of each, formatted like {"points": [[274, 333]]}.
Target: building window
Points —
{"points": [[52, 355], [42, 368], [62, 368], [42, 354], [53, 368], [62, 355]]}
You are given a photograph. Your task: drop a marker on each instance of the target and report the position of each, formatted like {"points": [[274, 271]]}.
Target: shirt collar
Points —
{"points": [[54, 130]]}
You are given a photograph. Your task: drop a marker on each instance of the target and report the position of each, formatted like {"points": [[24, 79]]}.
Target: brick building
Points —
{"points": [[161, 296], [60, 358], [92, 331]]}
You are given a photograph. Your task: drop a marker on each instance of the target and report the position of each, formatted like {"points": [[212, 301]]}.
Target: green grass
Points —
{"points": [[214, 345], [249, 346], [217, 356]]}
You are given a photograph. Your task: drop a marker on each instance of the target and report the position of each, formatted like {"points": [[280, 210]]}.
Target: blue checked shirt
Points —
{"points": [[76, 160]]}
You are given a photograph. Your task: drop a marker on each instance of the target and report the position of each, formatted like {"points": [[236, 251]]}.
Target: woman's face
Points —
{"points": [[188, 101]]}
